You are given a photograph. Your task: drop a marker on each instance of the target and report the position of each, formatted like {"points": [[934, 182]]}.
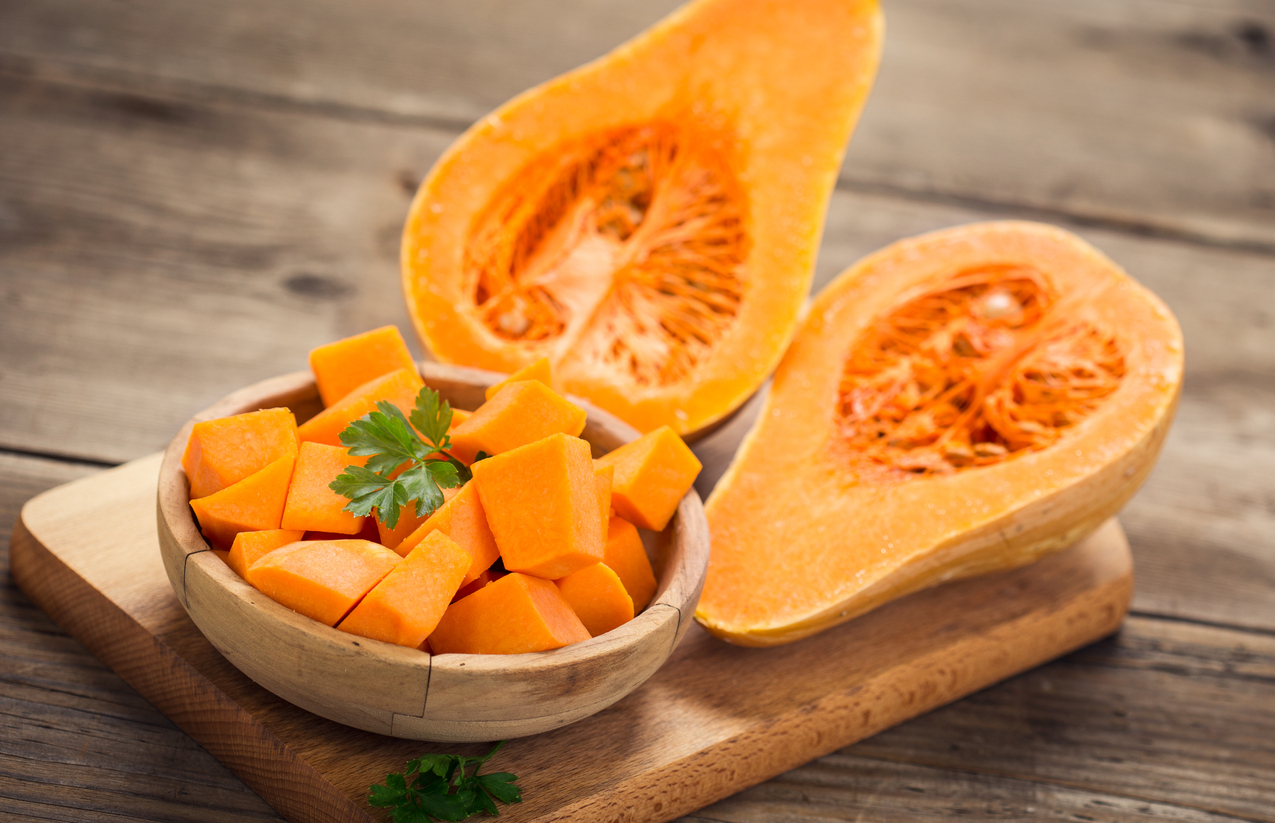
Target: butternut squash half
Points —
{"points": [[958, 403], [648, 222]]}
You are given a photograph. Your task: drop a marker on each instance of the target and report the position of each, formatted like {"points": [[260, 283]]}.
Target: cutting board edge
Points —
{"points": [[300, 792], [158, 673]]}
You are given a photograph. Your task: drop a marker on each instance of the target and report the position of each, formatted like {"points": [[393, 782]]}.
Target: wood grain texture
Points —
{"points": [[1143, 113], [714, 719]]}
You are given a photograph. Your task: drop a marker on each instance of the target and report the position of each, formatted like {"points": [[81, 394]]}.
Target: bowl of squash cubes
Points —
{"points": [[431, 552]]}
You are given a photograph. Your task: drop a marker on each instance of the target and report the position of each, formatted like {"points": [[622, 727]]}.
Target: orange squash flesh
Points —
{"points": [[405, 607], [249, 547], [541, 502], [538, 370], [312, 505], [605, 475], [253, 504], [954, 404], [648, 222], [625, 555], [398, 388], [222, 452], [463, 519], [652, 474], [484, 577], [518, 414], [598, 598], [513, 615], [324, 579], [341, 367]]}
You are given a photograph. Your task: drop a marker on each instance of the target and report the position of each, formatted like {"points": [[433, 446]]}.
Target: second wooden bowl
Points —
{"points": [[403, 692]]}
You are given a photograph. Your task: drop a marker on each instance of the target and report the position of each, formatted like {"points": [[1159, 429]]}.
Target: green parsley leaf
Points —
{"points": [[442, 787], [432, 418], [367, 490], [390, 441], [385, 437]]}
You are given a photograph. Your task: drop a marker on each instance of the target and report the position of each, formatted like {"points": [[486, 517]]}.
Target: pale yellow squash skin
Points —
{"points": [[784, 79], [801, 543]]}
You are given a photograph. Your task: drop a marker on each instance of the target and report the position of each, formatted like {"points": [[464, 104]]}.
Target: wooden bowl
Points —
{"points": [[404, 692]]}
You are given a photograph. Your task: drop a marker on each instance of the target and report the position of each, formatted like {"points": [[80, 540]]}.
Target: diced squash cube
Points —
{"points": [[253, 504], [312, 505], [341, 367], [249, 547], [516, 614], [487, 576], [598, 598], [541, 502], [538, 370], [652, 474], [463, 519], [322, 579], [408, 523], [605, 476], [518, 414], [399, 388], [626, 556], [407, 604], [222, 452]]}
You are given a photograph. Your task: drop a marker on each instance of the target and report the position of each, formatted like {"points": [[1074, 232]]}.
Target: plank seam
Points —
{"points": [[1067, 784], [147, 85]]}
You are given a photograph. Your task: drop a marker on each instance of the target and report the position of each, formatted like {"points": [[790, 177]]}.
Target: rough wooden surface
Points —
{"points": [[230, 178], [714, 719]]}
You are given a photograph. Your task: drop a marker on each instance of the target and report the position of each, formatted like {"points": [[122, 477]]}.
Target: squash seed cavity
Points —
{"points": [[984, 368], [625, 251]]}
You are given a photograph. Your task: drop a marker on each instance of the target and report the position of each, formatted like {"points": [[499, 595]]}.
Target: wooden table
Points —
{"points": [[193, 195]]}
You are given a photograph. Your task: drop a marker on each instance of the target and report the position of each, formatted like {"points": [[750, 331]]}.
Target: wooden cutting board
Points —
{"points": [[714, 720]]}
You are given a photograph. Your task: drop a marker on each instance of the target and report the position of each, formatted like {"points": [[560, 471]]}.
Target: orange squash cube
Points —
{"points": [[311, 505], [322, 579], [222, 452], [399, 388], [463, 519], [605, 476], [598, 598], [538, 370], [518, 414], [516, 614], [652, 474], [341, 367], [407, 604], [487, 576], [626, 556], [253, 504], [541, 502], [249, 547]]}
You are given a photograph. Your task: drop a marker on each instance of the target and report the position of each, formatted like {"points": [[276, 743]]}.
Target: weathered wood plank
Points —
{"points": [[186, 254], [1147, 709], [845, 786], [1193, 703], [1143, 113], [76, 742]]}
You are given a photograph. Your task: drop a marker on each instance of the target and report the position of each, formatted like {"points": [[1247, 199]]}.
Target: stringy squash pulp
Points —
{"points": [[648, 222], [955, 404]]}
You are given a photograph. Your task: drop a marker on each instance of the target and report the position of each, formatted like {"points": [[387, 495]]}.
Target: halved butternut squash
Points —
{"points": [[649, 221], [955, 404]]}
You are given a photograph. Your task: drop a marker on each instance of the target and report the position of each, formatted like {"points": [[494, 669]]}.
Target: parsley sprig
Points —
{"points": [[390, 441], [439, 786]]}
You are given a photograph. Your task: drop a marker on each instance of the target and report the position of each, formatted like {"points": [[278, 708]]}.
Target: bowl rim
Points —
{"points": [[684, 543]]}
